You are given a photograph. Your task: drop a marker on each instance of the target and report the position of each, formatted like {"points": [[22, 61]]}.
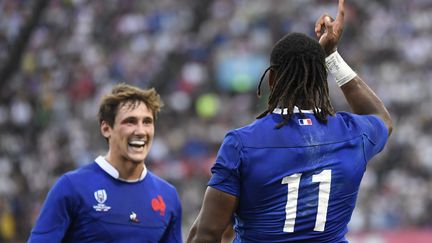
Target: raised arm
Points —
{"points": [[215, 215], [360, 97]]}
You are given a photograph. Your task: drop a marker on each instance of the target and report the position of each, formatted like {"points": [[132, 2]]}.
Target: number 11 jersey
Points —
{"points": [[298, 183]]}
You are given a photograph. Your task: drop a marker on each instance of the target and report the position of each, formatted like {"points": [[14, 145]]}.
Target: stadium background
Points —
{"points": [[205, 57]]}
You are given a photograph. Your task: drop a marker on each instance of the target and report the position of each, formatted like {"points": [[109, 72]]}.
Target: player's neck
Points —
{"points": [[127, 169], [130, 171], [304, 105]]}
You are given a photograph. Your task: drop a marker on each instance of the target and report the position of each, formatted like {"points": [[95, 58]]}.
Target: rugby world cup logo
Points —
{"points": [[101, 197]]}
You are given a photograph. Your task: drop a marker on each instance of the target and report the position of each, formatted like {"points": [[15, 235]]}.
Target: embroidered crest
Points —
{"points": [[101, 197], [158, 204]]}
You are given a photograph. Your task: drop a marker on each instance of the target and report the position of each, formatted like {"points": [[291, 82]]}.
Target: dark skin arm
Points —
{"points": [[215, 215], [364, 101], [360, 97], [229, 234]]}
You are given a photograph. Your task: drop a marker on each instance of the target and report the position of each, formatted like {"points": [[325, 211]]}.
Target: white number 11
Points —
{"points": [[293, 181]]}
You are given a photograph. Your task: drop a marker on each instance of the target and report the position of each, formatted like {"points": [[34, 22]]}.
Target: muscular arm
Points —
{"points": [[363, 101], [214, 217], [360, 97]]}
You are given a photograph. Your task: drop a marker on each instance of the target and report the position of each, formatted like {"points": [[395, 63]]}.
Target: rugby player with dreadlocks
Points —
{"points": [[293, 175]]}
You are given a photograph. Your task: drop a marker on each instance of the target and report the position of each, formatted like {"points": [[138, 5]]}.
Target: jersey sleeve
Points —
{"points": [[373, 130], [225, 171], [173, 233], [55, 216]]}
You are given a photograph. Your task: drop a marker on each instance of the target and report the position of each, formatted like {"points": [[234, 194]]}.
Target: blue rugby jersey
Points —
{"points": [[298, 183], [91, 204]]}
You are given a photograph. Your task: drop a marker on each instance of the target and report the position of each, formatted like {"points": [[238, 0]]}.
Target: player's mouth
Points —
{"points": [[137, 144]]}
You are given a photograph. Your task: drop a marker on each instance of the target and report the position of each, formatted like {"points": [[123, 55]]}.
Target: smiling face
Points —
{"points": [[131, 135]]}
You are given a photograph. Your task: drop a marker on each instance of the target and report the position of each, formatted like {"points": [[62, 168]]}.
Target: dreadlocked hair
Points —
{"points": [[298, 63]]}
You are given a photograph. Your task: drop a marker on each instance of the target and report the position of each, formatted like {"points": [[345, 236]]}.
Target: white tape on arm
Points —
{"points": [[340, 70]]}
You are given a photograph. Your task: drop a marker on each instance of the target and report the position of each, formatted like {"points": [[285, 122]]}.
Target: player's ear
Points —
{"points": [[105, 129], [271, 78]]}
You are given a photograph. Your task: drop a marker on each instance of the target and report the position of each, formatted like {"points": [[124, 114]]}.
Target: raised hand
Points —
{"points": [[329, 31]]}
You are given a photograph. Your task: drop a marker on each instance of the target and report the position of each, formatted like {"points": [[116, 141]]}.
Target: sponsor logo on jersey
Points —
{"points": [[158, 204], [101, 197], [305, 122]]}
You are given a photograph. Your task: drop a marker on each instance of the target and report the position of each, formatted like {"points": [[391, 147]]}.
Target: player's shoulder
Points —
{"points": [[69, 180], [250, 134], [345, 115], [83, 172], [160, 182], [371, 125], [359, 120], [256, 127], [349, 116]]}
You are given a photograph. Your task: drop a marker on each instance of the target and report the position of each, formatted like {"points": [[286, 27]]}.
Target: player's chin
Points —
{"points": [[137, 157]]}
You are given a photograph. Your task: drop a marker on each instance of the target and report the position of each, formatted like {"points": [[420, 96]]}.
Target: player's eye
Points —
{"points": [[130, 120], [148, 121]]}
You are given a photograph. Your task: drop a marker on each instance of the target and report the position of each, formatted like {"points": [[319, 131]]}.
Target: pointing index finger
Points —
{"points": [[341, 11]]}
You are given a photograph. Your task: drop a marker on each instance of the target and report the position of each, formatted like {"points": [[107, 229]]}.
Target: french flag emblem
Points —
{"points": [[305, 122]]}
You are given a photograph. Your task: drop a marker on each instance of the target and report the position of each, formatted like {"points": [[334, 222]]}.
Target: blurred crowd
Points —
{"points": [[205, 58]]}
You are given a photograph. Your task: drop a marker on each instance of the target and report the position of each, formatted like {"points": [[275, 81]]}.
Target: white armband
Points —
{"points": [[340, 70]]}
